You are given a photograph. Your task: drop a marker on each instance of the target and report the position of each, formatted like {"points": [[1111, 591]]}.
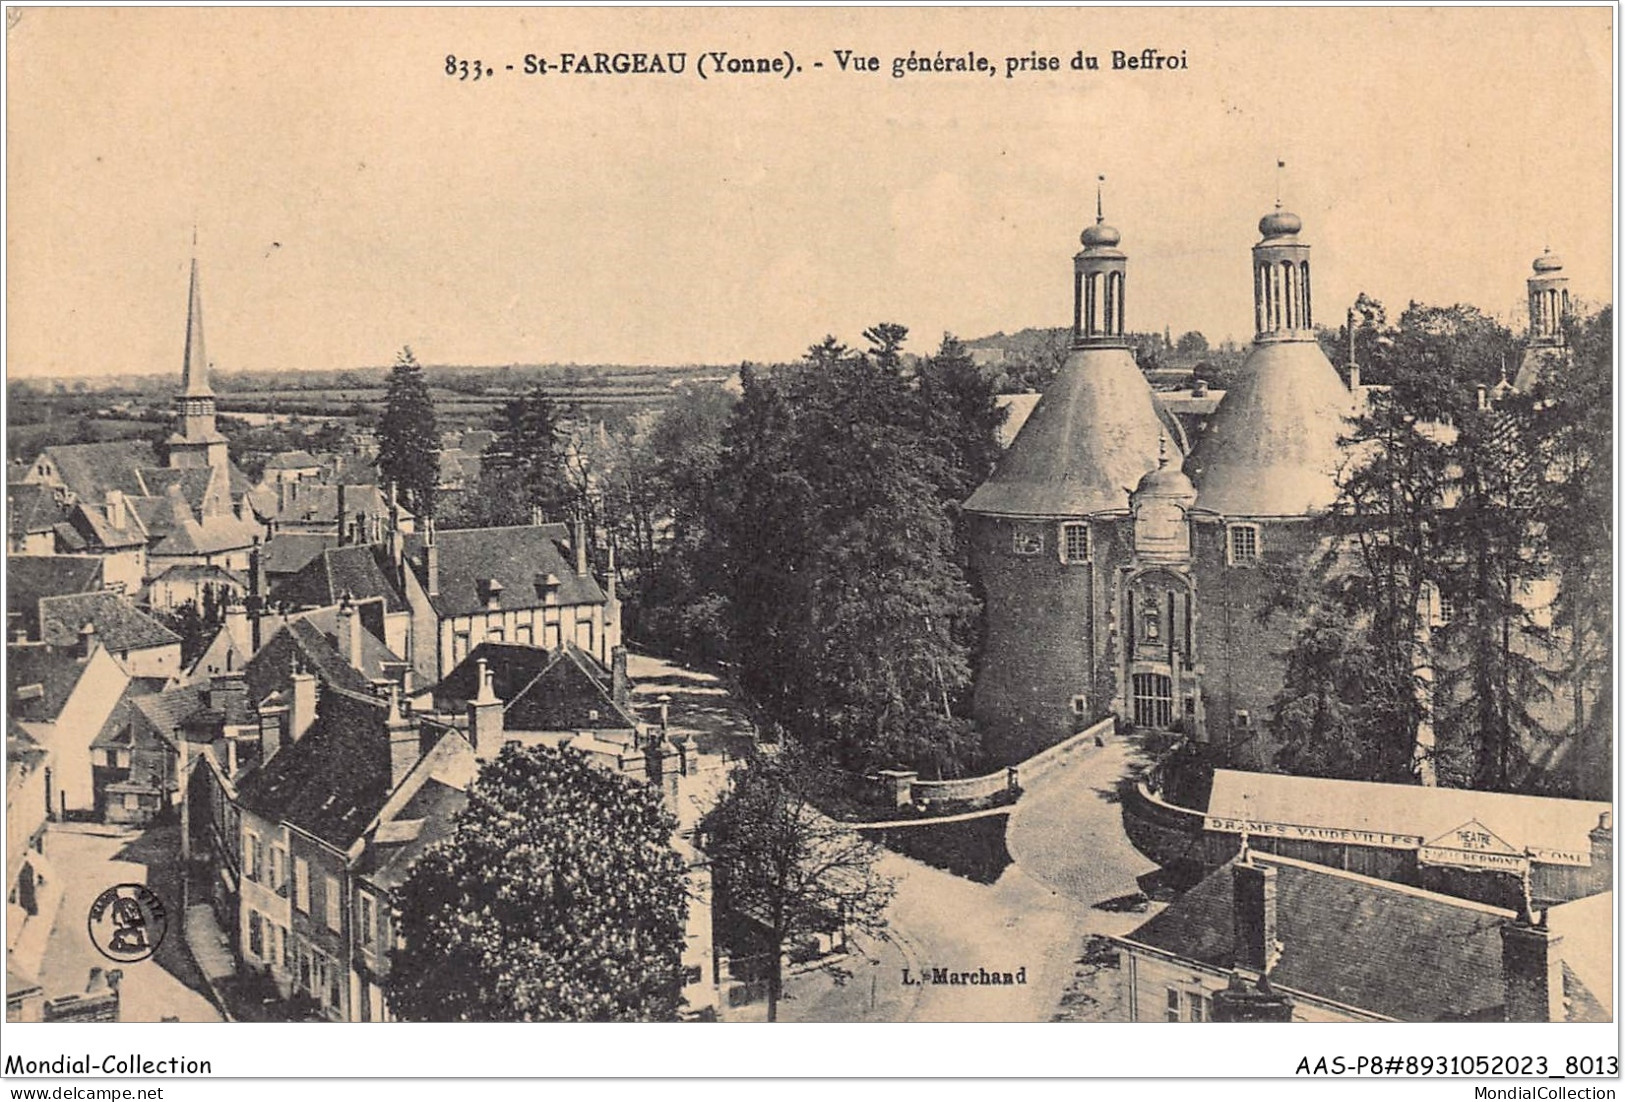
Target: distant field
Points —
{"points": [[26, 440]]}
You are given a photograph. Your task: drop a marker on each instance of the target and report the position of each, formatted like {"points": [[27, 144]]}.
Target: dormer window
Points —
{"points": [[1075, 542], [490, 591], [1243, 544]]}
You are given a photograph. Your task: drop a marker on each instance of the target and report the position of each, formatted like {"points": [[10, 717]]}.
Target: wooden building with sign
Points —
{"points": [[1493, 847]]}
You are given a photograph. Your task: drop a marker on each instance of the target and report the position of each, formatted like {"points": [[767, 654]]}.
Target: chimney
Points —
{"points": [[485, 715], [1532, 969], [348, 630], [302, 712], [400, 674], [273, 716], [1244, 1002], [87, 639], [228, 693], [1602, 851], [581, 546], [281, 494], [396, 544], [431, 562], [1256, 945], [609, 578], [115, 509], [1354, 365], [403, 740], [343, 519], [620, 685], [1483, 397]]}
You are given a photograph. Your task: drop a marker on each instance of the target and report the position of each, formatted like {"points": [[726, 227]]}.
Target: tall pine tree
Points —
{"points": [[408, 439]]}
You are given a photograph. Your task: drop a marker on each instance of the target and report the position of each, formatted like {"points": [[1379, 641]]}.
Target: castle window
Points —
{"points": [[1080, 705], [1075, 542], [1029, 541], [1244, 719], [1446, 613], [1243, 543], [1173, 1005]]}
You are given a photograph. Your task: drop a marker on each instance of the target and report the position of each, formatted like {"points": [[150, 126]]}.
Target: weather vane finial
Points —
{"points": [[1280, 170], [1100, 209], [1162, 448]]}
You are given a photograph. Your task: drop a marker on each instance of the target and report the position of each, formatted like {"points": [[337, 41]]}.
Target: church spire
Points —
{"points": [[195, 369], [197, 442]]}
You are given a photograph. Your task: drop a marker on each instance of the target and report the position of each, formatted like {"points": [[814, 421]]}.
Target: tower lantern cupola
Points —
{"points": [[1282, 309], [1548, 301], [1548, 313], [1097, 285]]}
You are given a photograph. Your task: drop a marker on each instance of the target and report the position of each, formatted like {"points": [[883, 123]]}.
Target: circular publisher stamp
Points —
{"points": [[128, 922]]}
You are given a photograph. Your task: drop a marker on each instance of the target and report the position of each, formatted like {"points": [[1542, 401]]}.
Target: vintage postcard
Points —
{"points": [[1087, 516]]}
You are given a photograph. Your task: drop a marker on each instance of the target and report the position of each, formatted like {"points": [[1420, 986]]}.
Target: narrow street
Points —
{"points": [[1070, 855], [1067, 833], [165, 986]]}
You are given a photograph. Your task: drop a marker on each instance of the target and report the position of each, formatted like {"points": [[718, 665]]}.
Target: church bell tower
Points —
{"points": [[196, 443]]}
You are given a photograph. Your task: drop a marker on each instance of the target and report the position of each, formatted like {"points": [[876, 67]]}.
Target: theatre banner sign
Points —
{"points": [[1471, 845], [1337, 836]]}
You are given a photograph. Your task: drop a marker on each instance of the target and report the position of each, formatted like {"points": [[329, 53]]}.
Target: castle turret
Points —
{"points": [[1095, 431], [196, 442], [1092, 437], [1548, 315], [1272, 448]]}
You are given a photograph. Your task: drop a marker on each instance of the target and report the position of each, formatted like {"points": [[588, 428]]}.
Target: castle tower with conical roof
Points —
{"points": [[1548, 315], [1272, 448], [1041, 524], [196, 442]]}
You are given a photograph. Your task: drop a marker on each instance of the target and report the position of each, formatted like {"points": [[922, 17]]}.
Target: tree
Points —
{"points": [[839, 562], [408, 440], [1571, 426], [783, 866], [1192, 343], [1438, 515], [656, 498], [194, 624], [530, 446], [557, 897]]}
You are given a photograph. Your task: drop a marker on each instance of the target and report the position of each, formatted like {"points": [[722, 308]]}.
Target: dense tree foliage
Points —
{"points": [[1427, 646], [522, 472], [840, 567], [528, 453], [1573, 420], [408, 439], [782, 866], [658, 502], [557, 897], [196, 623]]}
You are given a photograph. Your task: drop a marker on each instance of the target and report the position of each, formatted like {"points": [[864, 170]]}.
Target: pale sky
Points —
{"points": [[1432, 154]]}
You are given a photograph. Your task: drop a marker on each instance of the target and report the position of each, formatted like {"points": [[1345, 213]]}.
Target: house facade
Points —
{"points": [[518, 585], [62, 697]]}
